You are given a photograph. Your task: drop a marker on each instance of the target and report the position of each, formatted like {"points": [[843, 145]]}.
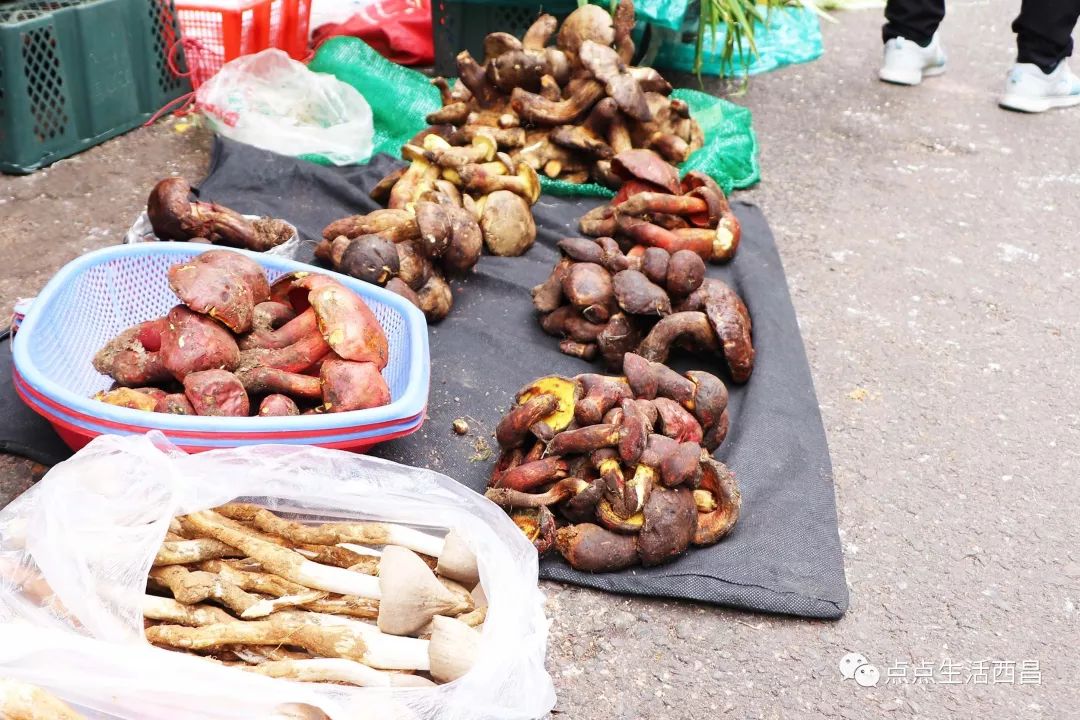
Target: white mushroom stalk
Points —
{"points": [[336, 670], [271, 605], [183, 552], [449, 654], [171, 611], [362, 533], [194, 587], [338, 640], [22, 701], [283, 561]]}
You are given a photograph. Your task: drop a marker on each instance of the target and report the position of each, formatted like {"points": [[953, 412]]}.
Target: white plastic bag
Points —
{"points": [[75, 551], [274, 102]]}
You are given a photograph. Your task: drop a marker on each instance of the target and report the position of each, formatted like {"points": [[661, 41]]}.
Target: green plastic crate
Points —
{"points": [[458, 26], [74, 73]]}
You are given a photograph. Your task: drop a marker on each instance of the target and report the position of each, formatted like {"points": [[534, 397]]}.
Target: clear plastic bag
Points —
{"points": [[274, 102], [75, 551]]}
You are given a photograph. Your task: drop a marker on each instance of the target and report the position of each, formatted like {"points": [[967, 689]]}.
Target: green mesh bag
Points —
{"points": [[401, 98]]}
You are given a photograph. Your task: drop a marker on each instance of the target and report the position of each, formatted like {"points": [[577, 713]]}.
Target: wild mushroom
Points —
{"points": [[435, 298], [348, 386], [506, 222], [561, 491], [670, 524], [133, 357], [183, 552], [591, 548], [283, 561], [23, 701], [394, 225], [480, 180], [647, 166], [449, 653], [457, 561], [606, 66], [337, 670], [537, 109], [212, 290], [407, 590], [718, 503], [174, 217], [453, 650], [419, 595], [538, 526], [473, 76], [371, 258], [363, 533], [346, 322], [729, 318], [177, 613], [590, 136], [587, 23]]}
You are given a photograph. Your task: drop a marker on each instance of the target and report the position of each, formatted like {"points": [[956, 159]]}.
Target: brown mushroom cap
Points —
{"points": [[168, 203], [670, 524], [646, 165], [588, 22], [507, 224], [591, 548]]}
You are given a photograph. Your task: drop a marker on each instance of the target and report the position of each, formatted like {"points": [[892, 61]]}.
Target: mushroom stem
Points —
{"points": [[22, 701], [453, 650], [195, 587], [171, 611], [363, 533], [183, 552], [347, 639], [337, 670], [282, 561]]}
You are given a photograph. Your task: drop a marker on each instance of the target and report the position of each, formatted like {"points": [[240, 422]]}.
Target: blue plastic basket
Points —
{"points": [[95, 297]]}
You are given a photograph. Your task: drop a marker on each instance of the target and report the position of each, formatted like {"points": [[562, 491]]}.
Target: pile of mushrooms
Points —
{"points": [[356, 603], [237, 345], [565, 110], [174, 216], [654, 208], [602, 301], [624, 462], [443, 209]]}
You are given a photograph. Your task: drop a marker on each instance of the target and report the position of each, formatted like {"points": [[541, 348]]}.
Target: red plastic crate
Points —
{"points": [[217, 31]]}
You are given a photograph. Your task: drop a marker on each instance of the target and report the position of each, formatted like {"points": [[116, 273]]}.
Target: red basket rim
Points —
{"points": [[358, 445], [39, 400]]}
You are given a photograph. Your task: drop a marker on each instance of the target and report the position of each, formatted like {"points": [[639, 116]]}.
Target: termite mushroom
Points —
{"points": [[449, 654], [408, 592], [23, 701]]}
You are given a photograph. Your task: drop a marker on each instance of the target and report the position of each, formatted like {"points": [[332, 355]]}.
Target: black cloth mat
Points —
{"points": [[784, 555]]}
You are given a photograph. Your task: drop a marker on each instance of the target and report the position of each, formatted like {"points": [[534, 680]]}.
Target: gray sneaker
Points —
{"points": [[1029, 89], [907, 63]]}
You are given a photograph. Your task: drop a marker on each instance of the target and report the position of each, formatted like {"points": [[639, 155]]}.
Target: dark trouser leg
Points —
{"points": [[916, 20], [1044, 31]]}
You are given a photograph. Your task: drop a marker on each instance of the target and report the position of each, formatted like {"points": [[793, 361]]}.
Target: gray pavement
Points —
{"points": [[929, 240]]}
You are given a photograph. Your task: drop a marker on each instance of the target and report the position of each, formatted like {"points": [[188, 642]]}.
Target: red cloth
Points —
{"points": [[398, 29]]}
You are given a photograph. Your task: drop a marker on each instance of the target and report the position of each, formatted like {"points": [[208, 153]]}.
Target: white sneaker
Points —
{"points": [[907, 63], [1029, 89]]}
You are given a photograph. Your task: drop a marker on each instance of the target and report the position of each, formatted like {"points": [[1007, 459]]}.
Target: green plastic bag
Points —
{"points": [[790, 35], [401, 98]]}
